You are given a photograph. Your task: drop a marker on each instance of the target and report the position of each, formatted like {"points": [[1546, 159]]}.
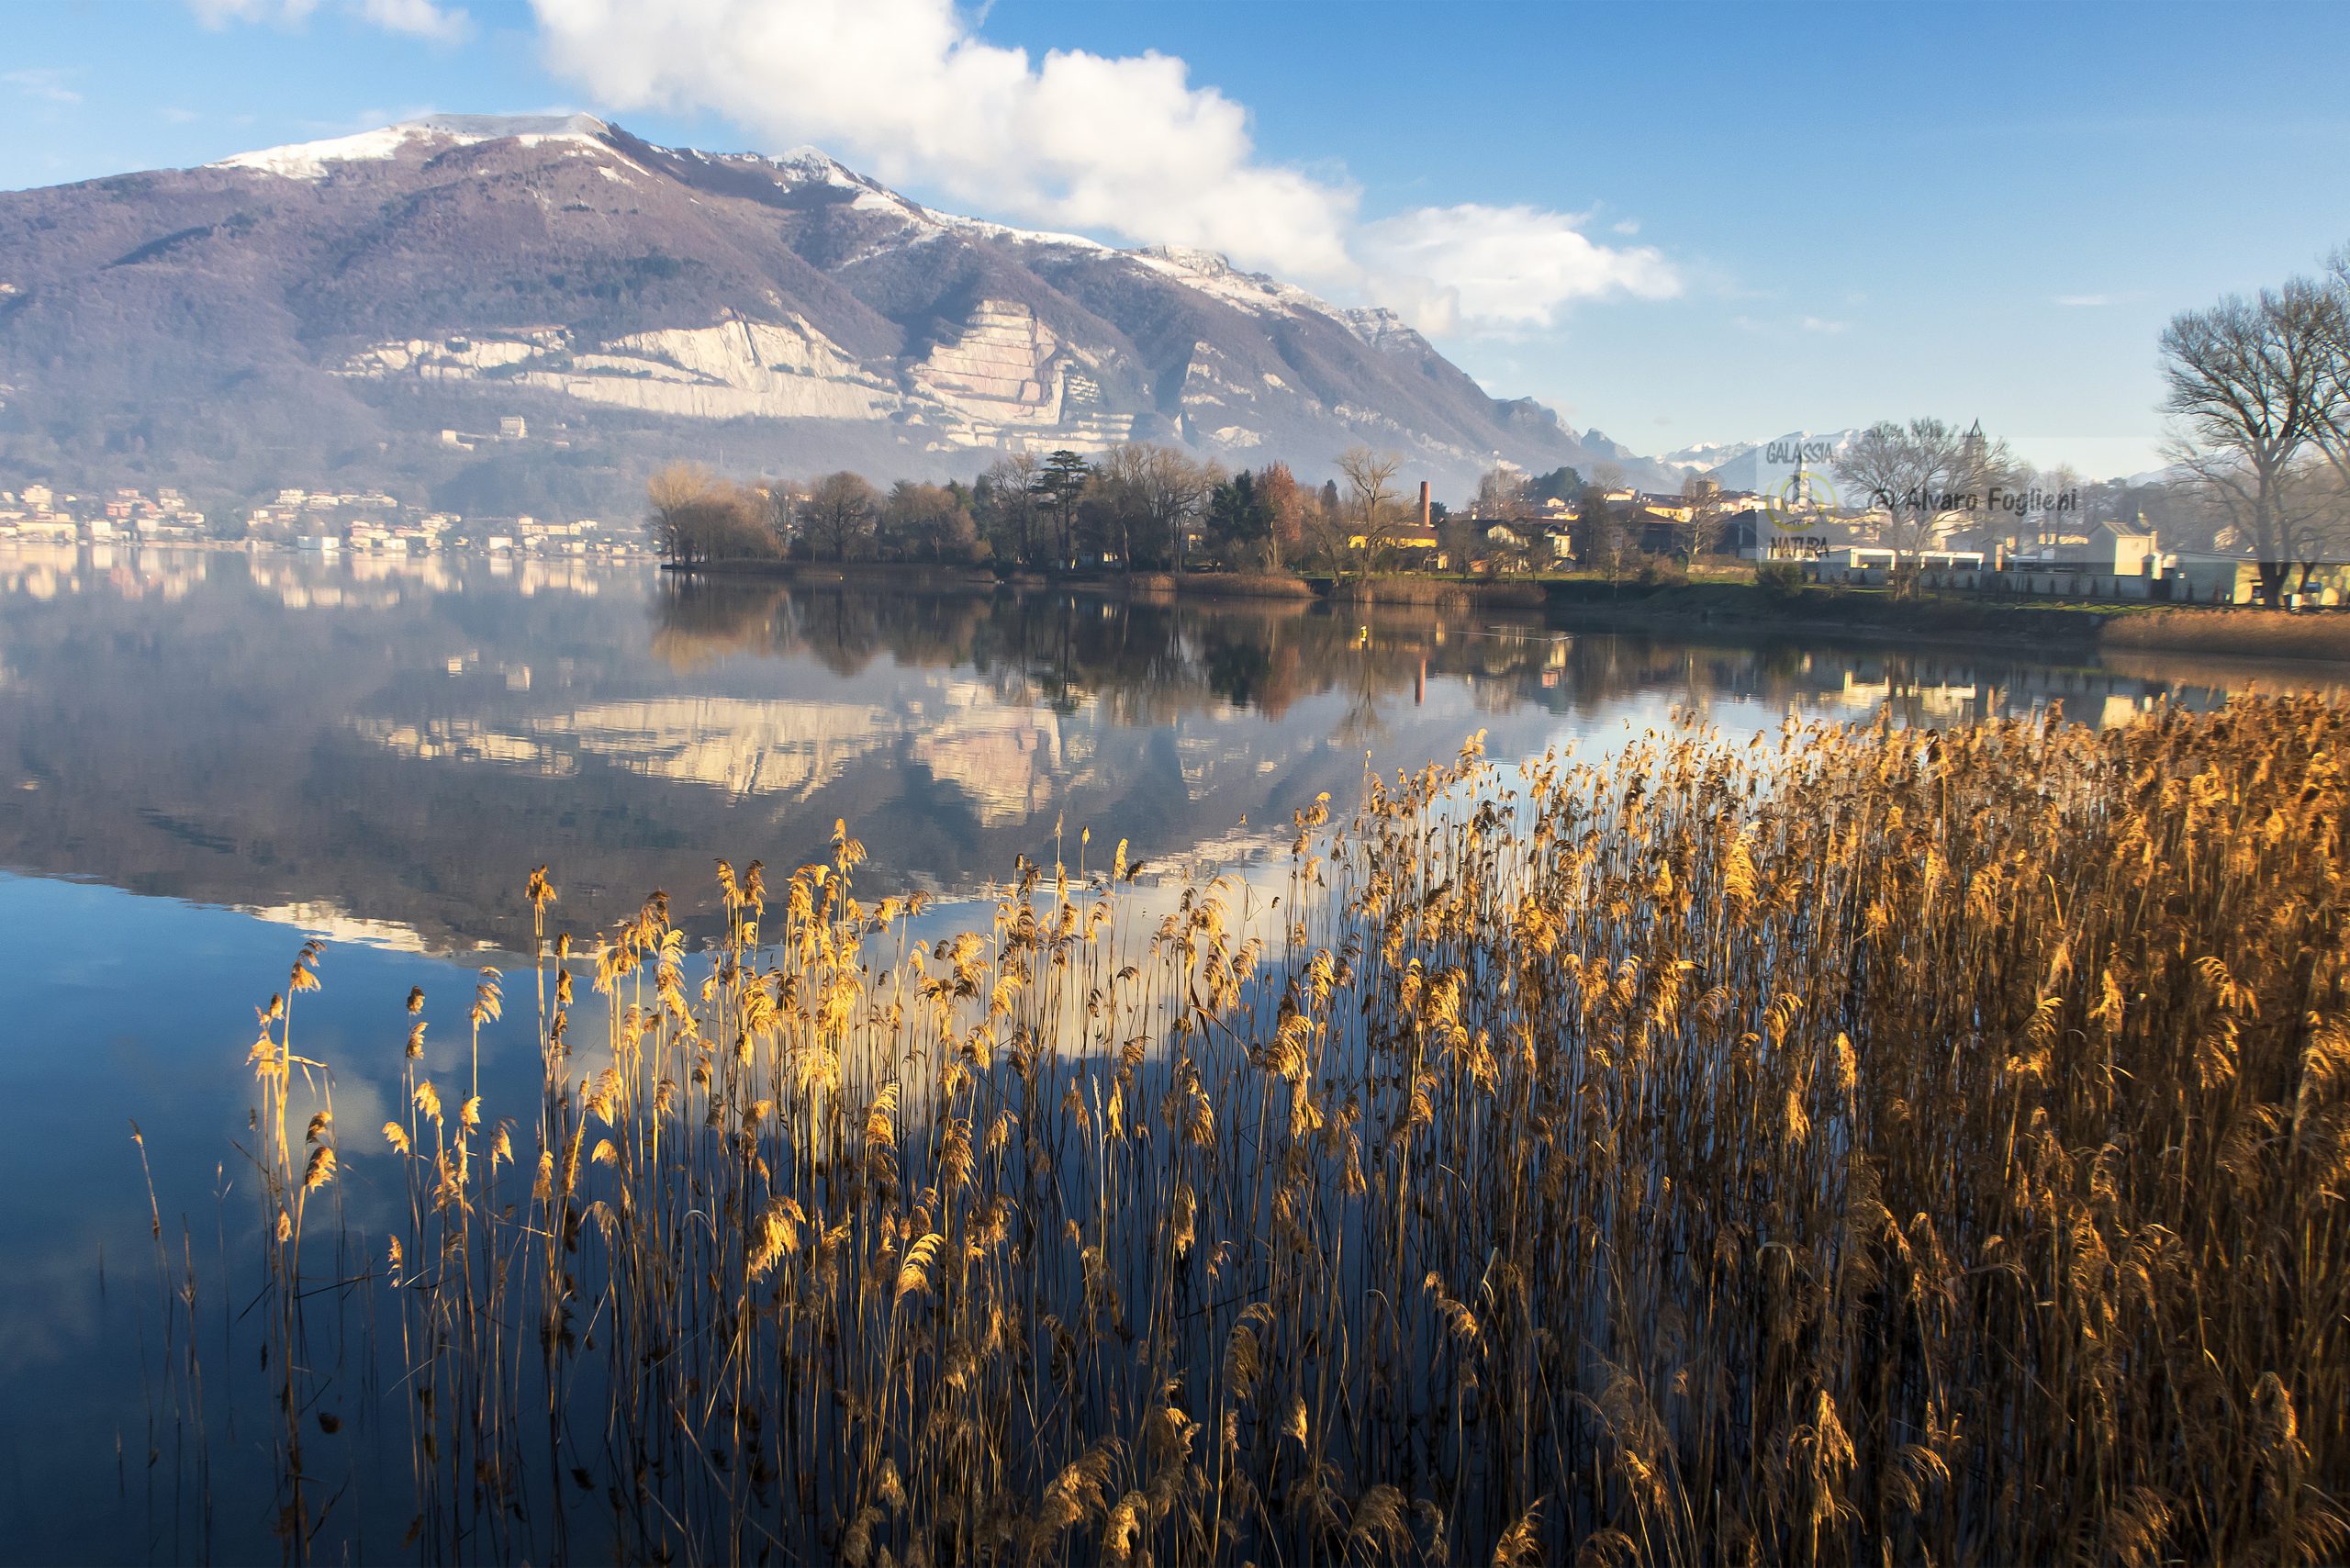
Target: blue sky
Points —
{"points": [[1741, 221]]}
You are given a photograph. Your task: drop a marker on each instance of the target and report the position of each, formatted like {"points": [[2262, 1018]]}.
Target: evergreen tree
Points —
{"points": [[1061, 484], [1240, 519]]}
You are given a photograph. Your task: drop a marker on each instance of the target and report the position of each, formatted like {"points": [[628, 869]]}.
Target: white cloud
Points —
{"points": [[2084, 299], [1488, 267], [1127, 146], [41, 83], [420, 18]]}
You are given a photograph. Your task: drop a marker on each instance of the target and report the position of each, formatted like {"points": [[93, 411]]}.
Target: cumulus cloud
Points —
{"points": [[904, 90], [1500, 267], [1125, 146]]}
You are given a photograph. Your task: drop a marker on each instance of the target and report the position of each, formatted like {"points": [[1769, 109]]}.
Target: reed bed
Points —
{"points": [[1449, 592], [1244, 585], [1160, 586], [2237, 632], [1852, 1145]]}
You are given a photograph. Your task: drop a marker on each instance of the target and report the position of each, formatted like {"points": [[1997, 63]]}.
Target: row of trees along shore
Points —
{"points": [[1142, 507], [1139, 506]]}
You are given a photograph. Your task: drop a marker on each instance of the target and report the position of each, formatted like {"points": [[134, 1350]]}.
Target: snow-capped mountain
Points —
{"points": [[1707, 455], [1768, 467], [327, 311]]}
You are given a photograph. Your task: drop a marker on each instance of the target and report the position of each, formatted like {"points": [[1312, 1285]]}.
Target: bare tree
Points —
{"points": [[698, 518], [2330, 413], [784, 499], [1928, 477], [1502, 495], [2248, 381], [1174, 488], [1012, 501], [928, 522], [673, 493], [840, 514], [1707, 519], [1368, 511], [1603, 535], [1122, 490], [2055, 499], [1286, 505]]}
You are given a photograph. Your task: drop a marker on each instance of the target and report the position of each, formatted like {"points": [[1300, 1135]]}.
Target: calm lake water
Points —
{"points": [[207, 758]]}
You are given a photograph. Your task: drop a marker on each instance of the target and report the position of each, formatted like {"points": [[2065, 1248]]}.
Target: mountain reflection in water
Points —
{"points": [[397, 743]]}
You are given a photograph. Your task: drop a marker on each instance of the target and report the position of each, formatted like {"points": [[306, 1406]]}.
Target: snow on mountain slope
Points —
{"points": [[346, 301], [1707, 455], [311, 160], [1768, 466]]}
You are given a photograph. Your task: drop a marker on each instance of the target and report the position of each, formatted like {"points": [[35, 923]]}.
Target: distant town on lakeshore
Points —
{"points": [[1138, 507], [2036, 532], [323, 521]]}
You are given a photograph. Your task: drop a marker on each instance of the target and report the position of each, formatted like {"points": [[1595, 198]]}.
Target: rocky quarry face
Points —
{"points": [[328, 311]]}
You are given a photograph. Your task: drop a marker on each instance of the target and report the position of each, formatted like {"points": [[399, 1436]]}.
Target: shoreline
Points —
{"points": [[1702, 609], [2054, 626]]}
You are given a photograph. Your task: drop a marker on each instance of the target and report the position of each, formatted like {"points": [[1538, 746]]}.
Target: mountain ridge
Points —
{"points": [[323, 311]]}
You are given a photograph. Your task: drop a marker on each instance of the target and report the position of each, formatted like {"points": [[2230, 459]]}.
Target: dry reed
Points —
{"points": [[1243, 584], [1884, 1144], [1446, 592], [2240, 633]]}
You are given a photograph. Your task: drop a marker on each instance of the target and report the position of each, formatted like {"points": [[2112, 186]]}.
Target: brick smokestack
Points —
{"points": [[1424, 503]]}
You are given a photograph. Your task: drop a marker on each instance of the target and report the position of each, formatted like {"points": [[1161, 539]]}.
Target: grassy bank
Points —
{"points": [[1824, 612], [1879, 1144], [2235, 632]]}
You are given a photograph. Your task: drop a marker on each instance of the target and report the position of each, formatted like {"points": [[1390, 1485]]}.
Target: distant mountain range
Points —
{"points": [[322, 314], [1707, 455], [1764, 467], [1768, 467]]}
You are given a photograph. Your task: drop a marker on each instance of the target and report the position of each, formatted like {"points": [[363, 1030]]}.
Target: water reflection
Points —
{"points": [[379, 750], [393, 743], [1154, 662]]}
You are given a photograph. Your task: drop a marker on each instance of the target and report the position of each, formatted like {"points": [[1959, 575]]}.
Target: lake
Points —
{"points": [[208, 757]]}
